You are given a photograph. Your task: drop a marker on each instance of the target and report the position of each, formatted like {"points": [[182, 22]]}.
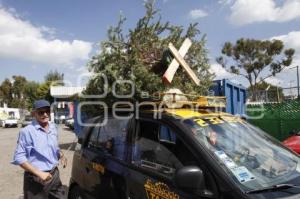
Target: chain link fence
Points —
{"points": [[277, 119], [275, 95]]}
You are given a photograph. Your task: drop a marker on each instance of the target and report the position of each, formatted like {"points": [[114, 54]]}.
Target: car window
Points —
{"points": [[246, 153], [166, 135], [93, 139], [156, 148], [112, 137]]}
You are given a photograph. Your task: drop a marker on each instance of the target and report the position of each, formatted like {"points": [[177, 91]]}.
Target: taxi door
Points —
{"points": [[154, 163], [91, 159], [106, 148]]}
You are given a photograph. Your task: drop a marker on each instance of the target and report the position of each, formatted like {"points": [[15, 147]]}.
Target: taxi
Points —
{"points": [[181, 153]]}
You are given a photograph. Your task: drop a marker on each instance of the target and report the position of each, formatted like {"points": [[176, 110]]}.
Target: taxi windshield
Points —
{"points": [[253, 159]]}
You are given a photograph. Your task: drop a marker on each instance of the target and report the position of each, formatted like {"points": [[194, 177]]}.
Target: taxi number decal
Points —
{"points": [[159, 191], [201, 122], [231, 119], [216, 120], [98, 167]]}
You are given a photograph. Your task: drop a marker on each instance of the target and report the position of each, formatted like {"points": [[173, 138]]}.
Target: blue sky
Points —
{"points": [[39, 36]]}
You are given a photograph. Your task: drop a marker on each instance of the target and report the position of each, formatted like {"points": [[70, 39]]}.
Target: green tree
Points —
{"points": [[18, 92], [141, 56], [1, 97], [43, 91], [6, 90], [31, 92], [256, 60], [53, 78]]}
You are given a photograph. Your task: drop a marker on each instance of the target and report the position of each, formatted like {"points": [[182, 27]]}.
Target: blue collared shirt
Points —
{"points": [[38, 147]]}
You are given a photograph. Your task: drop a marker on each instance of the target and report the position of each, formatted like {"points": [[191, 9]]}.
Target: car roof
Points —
{"points": [[190, 113]]}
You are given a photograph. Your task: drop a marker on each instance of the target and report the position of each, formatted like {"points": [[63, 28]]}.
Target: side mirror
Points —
{"points": [[190, 178]]}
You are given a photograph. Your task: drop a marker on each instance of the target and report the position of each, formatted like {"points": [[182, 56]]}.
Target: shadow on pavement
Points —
{"points": [[66, 188], [67, 129], [66, 146]]}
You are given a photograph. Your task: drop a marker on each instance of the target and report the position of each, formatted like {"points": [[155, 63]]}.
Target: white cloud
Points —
{"points": [[274, 81], [225, 2], [251, 11], [292, 40], [219, 71], [19, 39], [82, 69], [197, 13]]}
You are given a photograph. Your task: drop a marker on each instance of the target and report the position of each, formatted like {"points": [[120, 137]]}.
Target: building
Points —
{"points": [[63, 107]]}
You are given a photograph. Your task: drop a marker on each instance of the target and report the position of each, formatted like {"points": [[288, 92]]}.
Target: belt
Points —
{"points": [[52, 170]]}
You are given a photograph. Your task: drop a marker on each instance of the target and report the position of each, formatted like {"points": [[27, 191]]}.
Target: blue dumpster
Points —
{"points": [[235, 95]]}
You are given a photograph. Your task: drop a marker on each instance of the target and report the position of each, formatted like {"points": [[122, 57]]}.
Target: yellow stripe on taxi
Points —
{"points": [[188, 113]]}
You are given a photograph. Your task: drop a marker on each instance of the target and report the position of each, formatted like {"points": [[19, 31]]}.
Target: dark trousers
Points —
{"points": [[36, 190]]}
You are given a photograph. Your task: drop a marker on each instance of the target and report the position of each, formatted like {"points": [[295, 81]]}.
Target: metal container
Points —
{"points": [[235, 95]]}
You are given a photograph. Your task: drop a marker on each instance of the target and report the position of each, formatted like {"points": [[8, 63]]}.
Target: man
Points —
{"points": [[212, 135], [37, 152]]}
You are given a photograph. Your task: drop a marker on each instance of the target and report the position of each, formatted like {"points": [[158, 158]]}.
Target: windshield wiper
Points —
{"points": [[273, 188]]}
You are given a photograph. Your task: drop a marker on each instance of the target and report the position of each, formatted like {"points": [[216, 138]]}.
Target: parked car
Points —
{"points": [[172, 154], [3, 116], [69, 123], [27, 120], [59, 119], [10, 122], [1, 122], [293, 141]]}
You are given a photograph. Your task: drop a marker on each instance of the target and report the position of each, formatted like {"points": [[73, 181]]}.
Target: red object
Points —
{"points": [[293, 142], [71, 108]]}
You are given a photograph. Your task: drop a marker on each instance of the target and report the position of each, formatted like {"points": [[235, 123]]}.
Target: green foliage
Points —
{"points": [[138, 56], [20, 93], [255, 60], [6, 91], [18, 89], [31, 93], [55, 78], [43, 91]]}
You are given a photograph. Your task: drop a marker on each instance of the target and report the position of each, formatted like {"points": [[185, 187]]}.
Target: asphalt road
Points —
{"points": [[11, 176]]}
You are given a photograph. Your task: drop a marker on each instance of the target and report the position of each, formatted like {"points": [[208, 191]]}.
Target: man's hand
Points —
{"points": [[44, 176]]}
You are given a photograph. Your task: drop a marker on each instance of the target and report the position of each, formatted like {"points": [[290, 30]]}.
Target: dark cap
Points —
{"points": [[40, 104]]}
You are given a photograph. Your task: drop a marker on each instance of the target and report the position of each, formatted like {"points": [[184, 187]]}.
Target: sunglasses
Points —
{"points": [[42, 112]]}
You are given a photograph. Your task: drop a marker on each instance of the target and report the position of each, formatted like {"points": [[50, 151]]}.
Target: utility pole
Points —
{"points": [[298, 82], [277, 94]]}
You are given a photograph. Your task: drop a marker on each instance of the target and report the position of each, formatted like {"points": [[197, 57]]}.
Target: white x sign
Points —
{"points": [[178, 60]]}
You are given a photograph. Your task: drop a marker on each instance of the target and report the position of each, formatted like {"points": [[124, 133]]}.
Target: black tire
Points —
{"points": [[75, 193]]}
